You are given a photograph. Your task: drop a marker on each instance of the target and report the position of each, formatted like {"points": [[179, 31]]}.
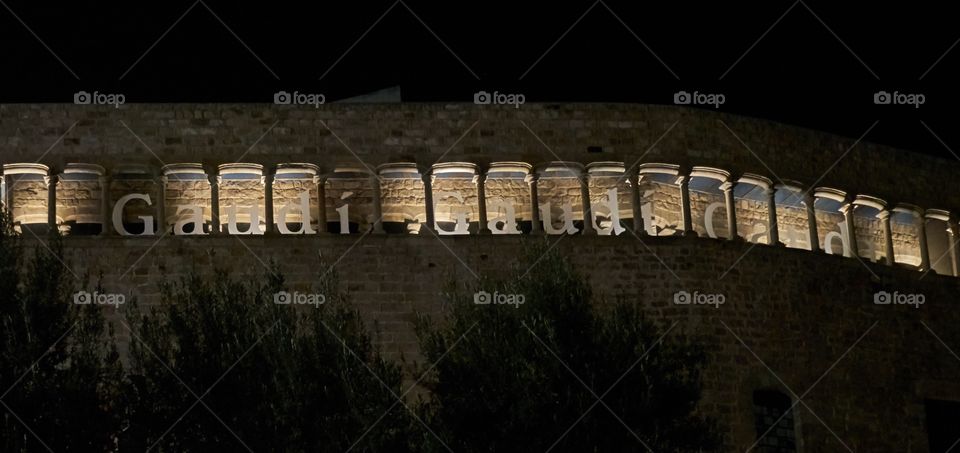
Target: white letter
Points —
{"points": [[611, 205], [508, 218], [196, 218], [708, 218], [547, 219], [253, 215], [462, 227], [304, 208], [118, 215]]}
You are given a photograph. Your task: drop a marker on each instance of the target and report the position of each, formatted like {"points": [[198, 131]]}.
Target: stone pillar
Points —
{"points": [[588, 229], [808, 202], [270, 227], [162, 206], [321, 182], [636, 202], [953, 241], [3, 194], [727, 188], [106, 216], [683, 181], [885, 217], [480, 179], [774, 230], [214, 180], [427, 177], [853, 248], [536, 226], [922, 235], [52, 180], [377, 205]]}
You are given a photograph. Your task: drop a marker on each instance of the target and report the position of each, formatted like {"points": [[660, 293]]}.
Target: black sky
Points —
{"points": [[815, 64]]}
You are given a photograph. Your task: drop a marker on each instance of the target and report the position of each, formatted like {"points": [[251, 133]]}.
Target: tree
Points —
{"points": [[257, 374], [519, 377], [59, 371]]}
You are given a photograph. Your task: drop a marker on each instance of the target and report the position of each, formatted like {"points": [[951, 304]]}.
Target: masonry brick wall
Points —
{"points": [[797, 311], [222, 133]]}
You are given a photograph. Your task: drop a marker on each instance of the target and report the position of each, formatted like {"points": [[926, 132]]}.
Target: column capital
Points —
{"points": [[884, 214], [727, 186]]}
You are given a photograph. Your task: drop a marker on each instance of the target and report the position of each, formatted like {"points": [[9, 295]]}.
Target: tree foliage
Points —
{"points": [[218, 365], [59, 369], [528, 377]]}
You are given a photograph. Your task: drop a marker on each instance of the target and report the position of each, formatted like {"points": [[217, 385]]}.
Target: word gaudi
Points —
{"points": [[606, 218]]}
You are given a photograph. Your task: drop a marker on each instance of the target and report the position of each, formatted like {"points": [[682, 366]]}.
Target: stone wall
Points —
{"points": [[426, 133], [800, 312]]}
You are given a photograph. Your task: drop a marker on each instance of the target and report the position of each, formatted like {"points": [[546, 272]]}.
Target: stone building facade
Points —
{"points": [[402, 198]]}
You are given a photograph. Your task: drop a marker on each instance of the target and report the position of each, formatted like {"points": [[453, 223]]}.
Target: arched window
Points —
{"points": [[402, 198], [660, 199], [79, 199], [242, 199], [187, 189], [560, 197], [869, 227], [26, 195], [707, 204], [609, 197], [831, 224], [508, 198], [349, 200], [751, 204], [792, 221], [456, 209], [295, 188], [774, 422], [939, 239], [906, 222]]}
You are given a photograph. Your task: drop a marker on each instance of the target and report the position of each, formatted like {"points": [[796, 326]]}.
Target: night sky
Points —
{"points": [[815, 64]]}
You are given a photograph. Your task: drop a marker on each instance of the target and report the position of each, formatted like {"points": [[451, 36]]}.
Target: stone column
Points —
{"points": [[636, 202], [377, 205], [3, 194], [536, 226], [106, 216], [953, 238], [480, 179], [270, 227], [427, 177], [588, 229], [214, 180], [321, 182], [683, 181], [727, 188], [52, 180], [885, 217], [922, 235], [854, 249], [774, 230], [808, 202]]}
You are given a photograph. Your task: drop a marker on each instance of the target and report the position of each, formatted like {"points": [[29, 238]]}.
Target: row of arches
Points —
{"points": [[460, 198]]}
